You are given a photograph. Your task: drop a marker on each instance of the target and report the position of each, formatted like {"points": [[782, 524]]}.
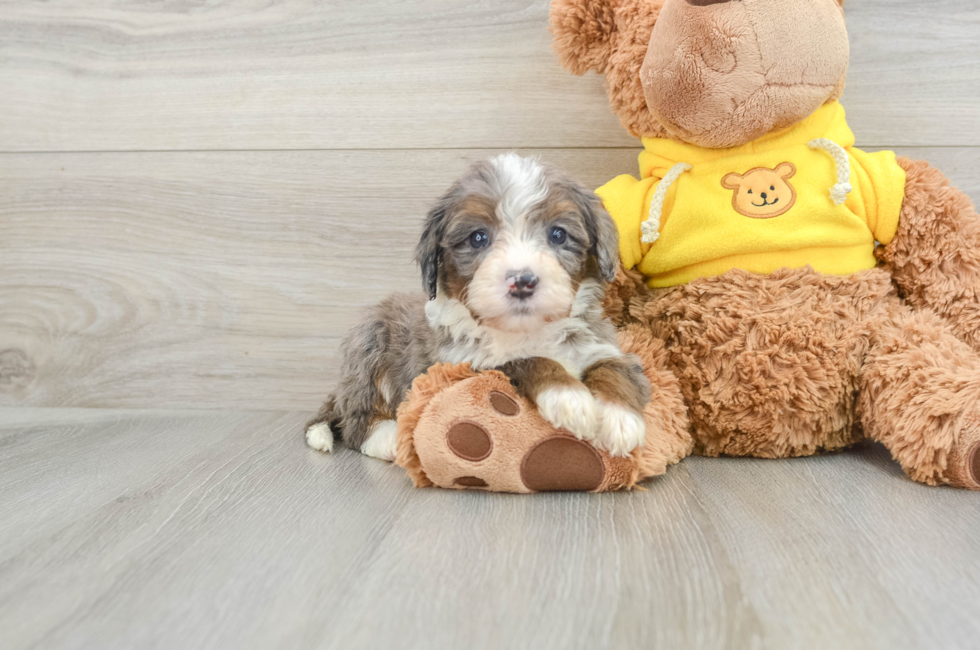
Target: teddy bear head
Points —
{"points": [[714, 73]]}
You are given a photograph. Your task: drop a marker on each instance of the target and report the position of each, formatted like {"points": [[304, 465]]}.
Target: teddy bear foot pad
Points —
{"points": [[558, 462], [479, 434]]}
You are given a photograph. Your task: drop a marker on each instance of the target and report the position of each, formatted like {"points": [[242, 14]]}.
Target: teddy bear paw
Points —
{"points": [[975, 465], [572, 408], [480, 434], [519, 460], [963, 466], [621, 429]]}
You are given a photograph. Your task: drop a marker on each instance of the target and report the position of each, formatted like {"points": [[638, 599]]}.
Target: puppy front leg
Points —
{"points": [[561, 399], [621, 391]]}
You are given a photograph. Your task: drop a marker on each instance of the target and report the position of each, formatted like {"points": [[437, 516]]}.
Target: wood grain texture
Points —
{"points": [[155, 529], [295, 74], [250, 174], [205, 279], [193, 280]]}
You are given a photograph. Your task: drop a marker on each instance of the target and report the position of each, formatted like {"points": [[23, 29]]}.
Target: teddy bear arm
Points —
{"points": [[935, 254]]}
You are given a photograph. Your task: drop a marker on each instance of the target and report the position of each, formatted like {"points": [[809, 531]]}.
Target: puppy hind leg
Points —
{"points": [[382, 440], [351, 424], [358, 402], [348, 414], [322, 430]]}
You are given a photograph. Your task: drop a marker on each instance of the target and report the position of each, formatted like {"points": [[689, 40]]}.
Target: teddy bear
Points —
{"points": [[467, 430], [808, 295]]}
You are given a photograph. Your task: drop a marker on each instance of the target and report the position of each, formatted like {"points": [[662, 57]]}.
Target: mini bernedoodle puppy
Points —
{"points": [[515, 259]]}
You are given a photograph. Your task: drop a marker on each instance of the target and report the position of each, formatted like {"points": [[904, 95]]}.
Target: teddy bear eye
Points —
{"points": [[772, 188], [750, 191]]}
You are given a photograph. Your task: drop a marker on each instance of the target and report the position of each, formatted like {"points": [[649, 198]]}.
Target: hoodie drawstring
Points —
{"points": [[651, 227], [839, 192]]}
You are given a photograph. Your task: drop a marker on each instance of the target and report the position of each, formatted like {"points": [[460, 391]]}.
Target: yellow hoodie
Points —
{"points": [[802, 196]]}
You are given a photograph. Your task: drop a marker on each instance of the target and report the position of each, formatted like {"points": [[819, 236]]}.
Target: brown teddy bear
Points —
{"points": [[808, 294]]}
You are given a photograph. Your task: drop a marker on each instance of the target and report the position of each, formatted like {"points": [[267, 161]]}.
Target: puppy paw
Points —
{"points": [[320, 437], [572, 408], [382, 441], [621, 429]]}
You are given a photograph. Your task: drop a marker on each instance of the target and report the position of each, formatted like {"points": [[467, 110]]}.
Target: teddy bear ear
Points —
{"points": [[786, 171], [582, 33], [732, 182]]}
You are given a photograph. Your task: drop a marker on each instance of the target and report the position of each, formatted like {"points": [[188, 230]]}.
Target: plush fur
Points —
{"points": [[613, 37], [722, 74], [610, 38], [935, 257], [795, 362]]}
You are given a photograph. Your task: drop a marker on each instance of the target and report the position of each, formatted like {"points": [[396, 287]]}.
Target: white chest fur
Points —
{"points": [[570, 341]]}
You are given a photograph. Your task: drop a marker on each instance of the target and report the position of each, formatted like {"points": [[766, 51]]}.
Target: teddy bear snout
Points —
{"points": [[722, 73]]}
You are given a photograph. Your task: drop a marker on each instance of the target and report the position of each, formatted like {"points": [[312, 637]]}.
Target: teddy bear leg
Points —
{"points": [[920, 397], [463, 430]]}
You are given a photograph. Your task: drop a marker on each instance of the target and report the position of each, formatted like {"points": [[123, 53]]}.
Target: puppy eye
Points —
{"points": [[479, 239], [557, 236]]}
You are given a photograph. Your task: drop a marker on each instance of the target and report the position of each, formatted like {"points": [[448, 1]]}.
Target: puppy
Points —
{"points": [[514, 258]]}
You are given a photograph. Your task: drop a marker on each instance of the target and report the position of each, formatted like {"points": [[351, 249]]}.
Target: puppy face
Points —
{"points": [[512, 240]]}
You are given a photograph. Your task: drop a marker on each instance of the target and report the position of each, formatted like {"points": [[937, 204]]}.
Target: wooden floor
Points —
{"points": [[196, 198], [204, 529]]}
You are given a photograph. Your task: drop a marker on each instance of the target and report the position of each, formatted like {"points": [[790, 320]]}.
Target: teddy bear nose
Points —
{"points": [[764, 196]]}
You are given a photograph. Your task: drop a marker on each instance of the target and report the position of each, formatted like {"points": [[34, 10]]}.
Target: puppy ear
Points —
{"points": [[428, 253], [732, 182], [603, 233], [582, 33]]}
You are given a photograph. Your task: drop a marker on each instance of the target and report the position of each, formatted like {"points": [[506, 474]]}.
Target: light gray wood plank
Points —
{"points": [[221, 279], [206, 279], [83, 76], [914, 64], [897, 561], [156, 529]]}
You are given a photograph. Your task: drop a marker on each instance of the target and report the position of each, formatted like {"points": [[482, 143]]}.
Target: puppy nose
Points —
{"points": [[522, 283]]}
